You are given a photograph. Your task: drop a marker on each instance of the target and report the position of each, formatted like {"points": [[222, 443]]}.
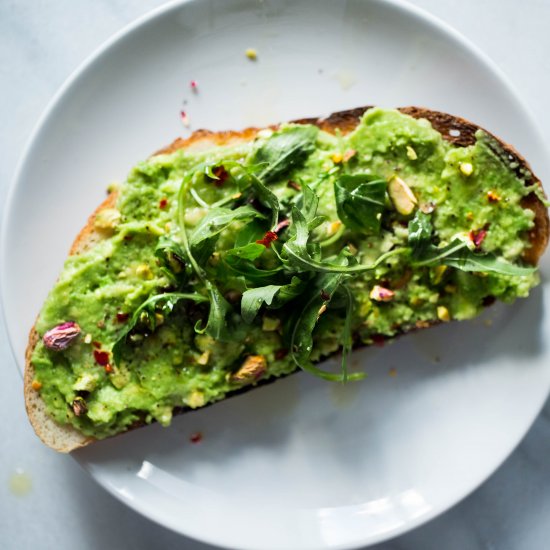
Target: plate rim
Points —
{"points": [[404, 6]]}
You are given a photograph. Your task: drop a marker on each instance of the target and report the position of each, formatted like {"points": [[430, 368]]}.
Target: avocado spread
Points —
{"points": [[220, 268]]}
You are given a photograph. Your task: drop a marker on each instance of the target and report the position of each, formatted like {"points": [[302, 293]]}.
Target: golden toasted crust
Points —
{"points": [[454, 129]]}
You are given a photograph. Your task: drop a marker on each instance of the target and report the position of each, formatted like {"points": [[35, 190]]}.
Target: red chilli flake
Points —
{"points": [[101, 357], [195, 437], [163, 202], [378, 340], [96, 344], [221, 173], [477, 237], [184, 119], [108, 368], [281, 353], [122, 317], [194, 85], [269, 237]]}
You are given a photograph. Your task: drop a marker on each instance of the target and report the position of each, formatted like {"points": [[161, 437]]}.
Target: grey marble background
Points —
{"points": [[41, 43]]}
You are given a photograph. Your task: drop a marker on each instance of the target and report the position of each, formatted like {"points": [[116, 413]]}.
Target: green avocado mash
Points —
{"points": [[221, 268]]}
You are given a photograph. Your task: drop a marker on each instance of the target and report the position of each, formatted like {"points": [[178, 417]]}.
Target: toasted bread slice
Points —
{"points": [[456, 130]]}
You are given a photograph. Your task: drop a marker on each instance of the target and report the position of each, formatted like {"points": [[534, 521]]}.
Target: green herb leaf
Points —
{"points": [[250, 251], [284, 150], [251, 273], [301, 341], [300, 258], [254, 298], [171, 257], [457, 253], [420, 233], [217, 219], [267, 198], [217, 324], [360, 201], [270, 295], [146, 314]]}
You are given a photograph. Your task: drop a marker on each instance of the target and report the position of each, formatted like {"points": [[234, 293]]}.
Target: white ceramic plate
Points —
{"points": [[301, 464]]}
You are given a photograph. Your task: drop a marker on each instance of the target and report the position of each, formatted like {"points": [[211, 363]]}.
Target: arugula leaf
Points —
{"points": [[250, 271], [267, 198], [270, 295], [420, 233], [254, 298], [301, 340], [360, 201], [146, 314], [456, 254], [284, 150], [299, 256], [217, 219], [216, 325], [250, 251], [171, 257]]}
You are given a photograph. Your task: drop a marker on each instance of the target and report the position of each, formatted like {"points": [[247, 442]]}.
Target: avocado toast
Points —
{"points": [[230, 259]]}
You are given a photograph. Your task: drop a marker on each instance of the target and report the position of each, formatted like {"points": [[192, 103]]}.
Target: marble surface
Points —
{"points": [[46, 501]]}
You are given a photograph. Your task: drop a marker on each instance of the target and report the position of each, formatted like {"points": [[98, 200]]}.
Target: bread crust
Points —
{"points": [[454, 129]]}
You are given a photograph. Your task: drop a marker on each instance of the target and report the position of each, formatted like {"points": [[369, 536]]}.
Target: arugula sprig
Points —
{"points": [[458, 253]]}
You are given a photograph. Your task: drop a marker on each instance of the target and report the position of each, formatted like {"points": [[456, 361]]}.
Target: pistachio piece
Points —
{"points": [[203, 358], [402, 197], [79, 406], [195, 400], [411, 153], [252, 368], [107, 219], [381, 294], [443, 314], [467, 168], [61, 336]]}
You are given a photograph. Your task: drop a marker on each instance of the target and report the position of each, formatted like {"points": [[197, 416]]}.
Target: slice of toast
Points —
{"points": [[460, 132]]}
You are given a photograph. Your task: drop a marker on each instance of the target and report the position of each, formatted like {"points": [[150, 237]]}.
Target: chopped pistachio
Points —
{"points": [[203, 358], [411, 153], [79, 406], [381, 294], [253, 368], [144, 271], [349, 154], [251, 53], [466, 168], [402, 197], [195, 400], [86, 382], [107, 219], [443, 314], [61, 336]]}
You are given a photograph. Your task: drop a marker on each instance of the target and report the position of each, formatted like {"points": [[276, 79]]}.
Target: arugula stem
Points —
{"points": [[334, 238], [198, 198], [312, 265]]}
